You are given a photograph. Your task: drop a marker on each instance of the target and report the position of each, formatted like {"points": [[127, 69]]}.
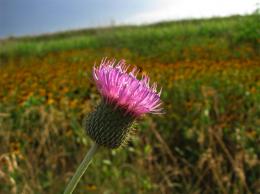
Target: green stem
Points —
{"points": [[81, 169]]}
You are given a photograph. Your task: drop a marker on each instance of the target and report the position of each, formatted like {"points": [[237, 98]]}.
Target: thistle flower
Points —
{"points": [[125, 90], [124, 98]]}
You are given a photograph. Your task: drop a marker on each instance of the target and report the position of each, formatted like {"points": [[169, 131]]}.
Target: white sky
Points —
{"points": [[179, 9]]}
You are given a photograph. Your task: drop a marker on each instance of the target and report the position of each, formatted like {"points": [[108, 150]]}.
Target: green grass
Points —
{"points": [[165, 42]]}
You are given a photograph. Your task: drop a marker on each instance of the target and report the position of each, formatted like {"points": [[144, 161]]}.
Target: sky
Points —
{"points": [[32, 17]]}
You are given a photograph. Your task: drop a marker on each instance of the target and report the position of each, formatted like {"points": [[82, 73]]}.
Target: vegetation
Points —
{"points": [[206, 142]]}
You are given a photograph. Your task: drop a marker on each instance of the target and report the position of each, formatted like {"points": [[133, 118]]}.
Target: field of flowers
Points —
{"points": [[206, 142]]}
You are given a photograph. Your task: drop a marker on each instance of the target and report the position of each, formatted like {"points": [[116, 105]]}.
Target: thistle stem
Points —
{"points": [[81, 169]]}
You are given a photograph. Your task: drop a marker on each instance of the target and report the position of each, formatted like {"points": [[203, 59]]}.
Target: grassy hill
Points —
{"points": [[206, 142], [164, 42]]}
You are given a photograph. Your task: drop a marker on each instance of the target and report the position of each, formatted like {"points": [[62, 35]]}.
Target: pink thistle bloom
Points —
{"points": [[124, 90]]}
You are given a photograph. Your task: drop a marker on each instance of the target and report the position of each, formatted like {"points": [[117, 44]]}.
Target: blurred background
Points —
{"points": [[205, 56]]}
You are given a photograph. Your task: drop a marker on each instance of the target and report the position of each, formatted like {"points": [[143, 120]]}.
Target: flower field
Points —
{"points": [[206, 142]]}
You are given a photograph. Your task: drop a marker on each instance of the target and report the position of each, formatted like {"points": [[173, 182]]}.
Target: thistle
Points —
{"points": [[124, 99]]}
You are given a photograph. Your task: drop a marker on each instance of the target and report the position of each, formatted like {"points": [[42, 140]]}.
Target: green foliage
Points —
{"points": [[249, 31]]}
